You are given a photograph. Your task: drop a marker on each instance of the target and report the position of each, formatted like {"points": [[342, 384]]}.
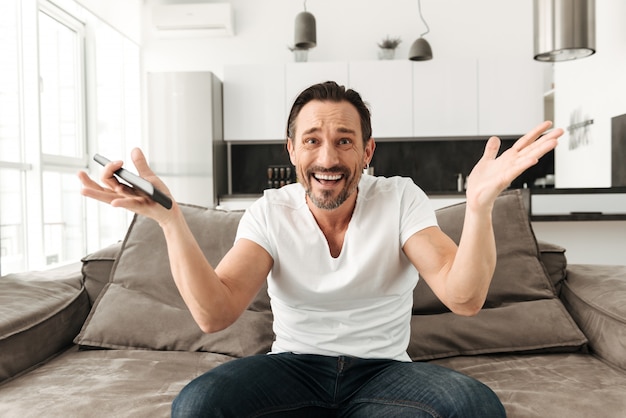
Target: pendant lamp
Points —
{"points": [[420, 50], [564, 29], [305, 31]]}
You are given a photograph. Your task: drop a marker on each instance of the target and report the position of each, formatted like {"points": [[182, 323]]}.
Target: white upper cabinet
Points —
{"points": [[510, 96], [254, 102], [441, 98], [445, 98], [300, 75], [387, 87]]}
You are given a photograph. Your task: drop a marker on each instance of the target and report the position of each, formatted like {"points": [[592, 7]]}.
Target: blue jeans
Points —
{"points": [[303, 385]]}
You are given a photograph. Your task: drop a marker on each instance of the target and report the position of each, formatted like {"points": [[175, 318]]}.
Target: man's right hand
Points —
{"points": [[120, 195]]}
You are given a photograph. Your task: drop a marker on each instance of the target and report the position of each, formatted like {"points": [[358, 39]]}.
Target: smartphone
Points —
{"points": [[138, 183]]}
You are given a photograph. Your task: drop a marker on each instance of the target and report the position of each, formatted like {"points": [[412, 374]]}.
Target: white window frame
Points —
{"points": [[59, 163]]}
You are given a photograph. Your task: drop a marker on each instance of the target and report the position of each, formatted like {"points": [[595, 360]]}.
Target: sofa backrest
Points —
{"points": [[522, 313]]}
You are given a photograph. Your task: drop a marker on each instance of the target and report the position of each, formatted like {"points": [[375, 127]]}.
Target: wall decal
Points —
{"points": [[579, 129]]}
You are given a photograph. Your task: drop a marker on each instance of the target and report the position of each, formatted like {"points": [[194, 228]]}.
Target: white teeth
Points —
{"points": [[327, 176]]}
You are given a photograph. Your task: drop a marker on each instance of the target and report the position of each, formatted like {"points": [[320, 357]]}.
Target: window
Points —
{"points": [[118, 118], [12, 228], [61, 89], [63, 140], [48, 132]]}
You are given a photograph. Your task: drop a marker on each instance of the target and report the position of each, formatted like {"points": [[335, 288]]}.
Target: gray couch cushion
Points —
{"points": [[40, 313], [522, 311], [596, 298], [105, 383], [97, 268], [141, 307], [553, 258], [567, 385]]}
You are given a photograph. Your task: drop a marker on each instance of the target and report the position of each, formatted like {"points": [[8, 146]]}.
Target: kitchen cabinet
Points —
{"points": [[441, 98], [445, 98], [254, 102], [387, 88], [510, 95], [300, 75]]}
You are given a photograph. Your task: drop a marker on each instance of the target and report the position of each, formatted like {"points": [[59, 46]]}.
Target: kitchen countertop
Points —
{"points": [[548, 197]]}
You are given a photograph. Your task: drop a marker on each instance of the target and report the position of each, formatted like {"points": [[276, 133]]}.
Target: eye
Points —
{"points": [[345, 141], [310, 141]]}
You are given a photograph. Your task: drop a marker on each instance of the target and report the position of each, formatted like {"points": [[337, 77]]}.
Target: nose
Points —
{"points": [[328, 155]]}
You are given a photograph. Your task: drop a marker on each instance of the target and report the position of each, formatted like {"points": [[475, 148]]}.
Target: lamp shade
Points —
{"points": [[305, 31], [420, 50], [564, 29]]}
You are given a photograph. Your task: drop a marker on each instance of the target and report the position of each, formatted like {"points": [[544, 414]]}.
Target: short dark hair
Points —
{"points": [[330, 91]]}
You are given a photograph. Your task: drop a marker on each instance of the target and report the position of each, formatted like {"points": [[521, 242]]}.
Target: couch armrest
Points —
{"points": [[553, 258], [594, 295], [97, 268], [40, 314]]}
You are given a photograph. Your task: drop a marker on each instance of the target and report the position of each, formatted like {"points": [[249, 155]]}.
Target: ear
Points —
{"points": [[291, 150], [370, 146]]}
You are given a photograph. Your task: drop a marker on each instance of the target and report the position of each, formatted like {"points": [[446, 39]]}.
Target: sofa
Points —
{"points": [[110, 335]]}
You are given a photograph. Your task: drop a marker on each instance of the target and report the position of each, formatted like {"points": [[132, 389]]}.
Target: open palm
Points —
{"points": [[492, 174]]}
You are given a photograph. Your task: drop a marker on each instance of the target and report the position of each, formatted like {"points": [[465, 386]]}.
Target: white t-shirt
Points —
{"points": [[358, 304]]}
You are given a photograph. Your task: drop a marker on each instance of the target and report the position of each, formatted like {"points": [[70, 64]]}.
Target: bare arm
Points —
{"points": [[460, 277], [215, 297]]}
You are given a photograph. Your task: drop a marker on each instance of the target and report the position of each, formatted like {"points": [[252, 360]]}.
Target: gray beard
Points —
{"points": [[327, 202]]}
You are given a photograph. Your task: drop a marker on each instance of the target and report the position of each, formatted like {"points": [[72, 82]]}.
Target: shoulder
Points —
{"points": [[371, 187], [287, 198]]}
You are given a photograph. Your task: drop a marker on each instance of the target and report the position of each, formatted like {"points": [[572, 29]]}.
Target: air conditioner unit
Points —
{"points": [[213, 19]]}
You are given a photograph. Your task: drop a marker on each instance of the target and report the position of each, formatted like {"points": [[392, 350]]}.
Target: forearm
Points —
{"points": [[471, 272], [204, 293]]}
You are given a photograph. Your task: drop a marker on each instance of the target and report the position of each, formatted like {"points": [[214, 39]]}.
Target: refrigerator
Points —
{"points": [[185, 145]]}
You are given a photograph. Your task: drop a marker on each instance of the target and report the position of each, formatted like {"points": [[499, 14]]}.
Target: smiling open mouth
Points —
{"points": [[327, 177]]}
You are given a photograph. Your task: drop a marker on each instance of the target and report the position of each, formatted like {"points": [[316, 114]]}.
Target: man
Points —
{"points": [[340, 252]]}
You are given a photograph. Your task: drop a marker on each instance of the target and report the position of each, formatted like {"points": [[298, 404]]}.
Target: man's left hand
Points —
{"points": [[492, 174]]}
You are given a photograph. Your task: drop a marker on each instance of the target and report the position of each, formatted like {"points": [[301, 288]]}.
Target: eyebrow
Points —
{"points": [[340, 129]]}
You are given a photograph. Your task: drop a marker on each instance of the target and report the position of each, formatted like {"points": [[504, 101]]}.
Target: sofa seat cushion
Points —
{"points": [[549, 385], [141, 308], [595, 295], [522, 312], [40, 313], [105, 383]]}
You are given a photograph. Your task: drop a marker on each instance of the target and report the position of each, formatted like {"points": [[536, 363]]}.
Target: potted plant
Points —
{"points": [[388, 48]]}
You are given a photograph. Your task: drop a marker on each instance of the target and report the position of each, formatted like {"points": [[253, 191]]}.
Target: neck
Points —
{"points": [[335, 219]]}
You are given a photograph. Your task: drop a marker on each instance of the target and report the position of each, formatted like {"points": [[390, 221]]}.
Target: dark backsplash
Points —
{"points": [[249, 163], [433, 165]]}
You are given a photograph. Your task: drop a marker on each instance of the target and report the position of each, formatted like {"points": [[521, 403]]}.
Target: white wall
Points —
{"points": [[347, 30], [128, 22], [596, 87], [586, 242]]}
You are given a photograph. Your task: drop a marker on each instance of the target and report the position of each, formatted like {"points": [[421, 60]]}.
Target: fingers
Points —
{"points": [[531, 136], [94, 190], [141, 163], [492, 147], [543, 145], [146, 172], [107, 176]]}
